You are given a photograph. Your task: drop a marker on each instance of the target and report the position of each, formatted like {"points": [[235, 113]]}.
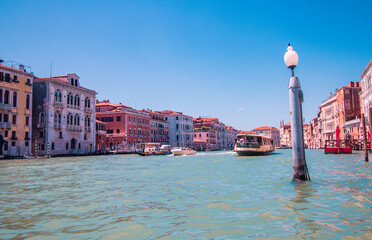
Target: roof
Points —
{"points": [[263, 128], [366, 69], [15, 69]]}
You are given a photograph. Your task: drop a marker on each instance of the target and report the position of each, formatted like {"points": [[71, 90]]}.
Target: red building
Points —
{"points": [[101, 136], [159, 131], [125, 126]]}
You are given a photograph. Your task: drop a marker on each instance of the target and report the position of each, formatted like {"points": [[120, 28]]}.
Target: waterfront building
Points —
{"points": [[63, 116], [285, 135], [230, 136], [366, 93], [125, 126], [314, 135], [15, 110], [181, 131], [159, 131], [212, 125], [271, 132], [205, 139], [101, 131], [329, 117]]}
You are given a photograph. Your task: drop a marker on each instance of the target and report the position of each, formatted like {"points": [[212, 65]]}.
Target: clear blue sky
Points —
{"points": [[205, 58]]}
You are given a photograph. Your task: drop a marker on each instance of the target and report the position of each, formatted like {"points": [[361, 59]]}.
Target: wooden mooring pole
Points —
{"points": [[365, 139]]}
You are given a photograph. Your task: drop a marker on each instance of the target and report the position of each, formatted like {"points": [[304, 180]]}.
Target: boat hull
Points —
{"points": [[152, 154], [182, 152], [252, 153]]}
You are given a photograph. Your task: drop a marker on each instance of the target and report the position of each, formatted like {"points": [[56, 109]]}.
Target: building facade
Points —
{"points": [[181, 131], [159, 131], [125, 126], [15, 110], [366, 93], [63, 116]]}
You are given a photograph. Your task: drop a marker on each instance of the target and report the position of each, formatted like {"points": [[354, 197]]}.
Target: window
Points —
{"points": [[27, 101], [26, 144], [129, 118], [117, 130], [14, 119], [6, 97], [60, 135], [14, 99], [7, 77], [52, 145], [1, 76], [13, 144], [41, 134], [14, 134], [15, 78], [118, 118], [27, 136], [66, 146], [28, 81]]}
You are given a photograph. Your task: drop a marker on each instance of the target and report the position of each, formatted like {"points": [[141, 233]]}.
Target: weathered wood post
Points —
{"points": [[365, 146], [300, 171]]}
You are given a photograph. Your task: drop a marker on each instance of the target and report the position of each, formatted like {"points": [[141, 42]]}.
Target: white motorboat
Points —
{"points": [[183, 151]]}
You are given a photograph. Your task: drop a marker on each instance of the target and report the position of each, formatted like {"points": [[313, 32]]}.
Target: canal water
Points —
{"points": [[213, 195]]}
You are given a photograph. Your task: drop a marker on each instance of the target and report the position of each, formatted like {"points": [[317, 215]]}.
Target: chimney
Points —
{"points": [[351, 84], [22, 68]]}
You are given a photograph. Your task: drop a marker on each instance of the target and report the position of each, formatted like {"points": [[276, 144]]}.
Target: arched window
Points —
{"points": [[88, 103], [56, 95], [78, 121], [60, 134], [6, 97], [59, 118], [55, 118], [75, 120], [15, 99], [59, 96], [41, 117], [27, 101], [88, 122]]}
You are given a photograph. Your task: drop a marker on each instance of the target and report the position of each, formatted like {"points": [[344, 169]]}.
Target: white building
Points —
{"points": [[329, 118], [366, 93], [180, 127], [63, 116]]}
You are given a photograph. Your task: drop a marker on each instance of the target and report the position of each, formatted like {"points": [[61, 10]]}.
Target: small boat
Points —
{"points": [[183, 151], [36, 156], [251, 144], [152, 149]]}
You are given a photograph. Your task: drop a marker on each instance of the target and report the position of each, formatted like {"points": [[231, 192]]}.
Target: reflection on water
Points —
{"points": [[209, 195]]}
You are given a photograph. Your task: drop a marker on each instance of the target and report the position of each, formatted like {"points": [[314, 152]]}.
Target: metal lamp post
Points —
{"points": [[300, 171]]}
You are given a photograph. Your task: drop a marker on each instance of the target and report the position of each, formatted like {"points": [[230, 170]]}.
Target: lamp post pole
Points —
{"points": [[300, 171]]}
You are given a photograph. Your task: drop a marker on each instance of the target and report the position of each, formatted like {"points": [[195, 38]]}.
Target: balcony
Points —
{"points": [[74, 128], [73, 107], [6, 107], [57, 126], [58, 104], [88, 110]]}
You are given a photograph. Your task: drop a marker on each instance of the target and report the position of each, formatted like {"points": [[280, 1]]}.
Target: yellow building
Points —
{"points": [[15, 110]]}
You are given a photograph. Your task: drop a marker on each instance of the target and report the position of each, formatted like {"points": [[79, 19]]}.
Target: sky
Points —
{"points": [[203, 58]]}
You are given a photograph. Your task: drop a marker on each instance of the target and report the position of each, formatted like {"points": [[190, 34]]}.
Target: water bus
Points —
{"points": [[251, 144]]}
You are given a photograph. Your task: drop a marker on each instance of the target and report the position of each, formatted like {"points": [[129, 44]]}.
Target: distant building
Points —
{"points": [[15, 110], [159, 131], [181, 131], [215, 127], [329, 118], [63, 116], [285, 135], [271, 132], [230, 136]]}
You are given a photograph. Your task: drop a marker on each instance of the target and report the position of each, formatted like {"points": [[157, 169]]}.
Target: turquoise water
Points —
{"points": [[214, 195]]}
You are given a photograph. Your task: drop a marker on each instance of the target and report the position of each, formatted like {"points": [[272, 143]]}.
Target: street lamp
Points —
{"points": [[300, 171]]}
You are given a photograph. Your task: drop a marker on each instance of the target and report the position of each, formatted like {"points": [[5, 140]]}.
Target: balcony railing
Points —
{"points": [[74, 128], [57, 126], [89, 110], [73, 107], [58, 104], [6, 107]]}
